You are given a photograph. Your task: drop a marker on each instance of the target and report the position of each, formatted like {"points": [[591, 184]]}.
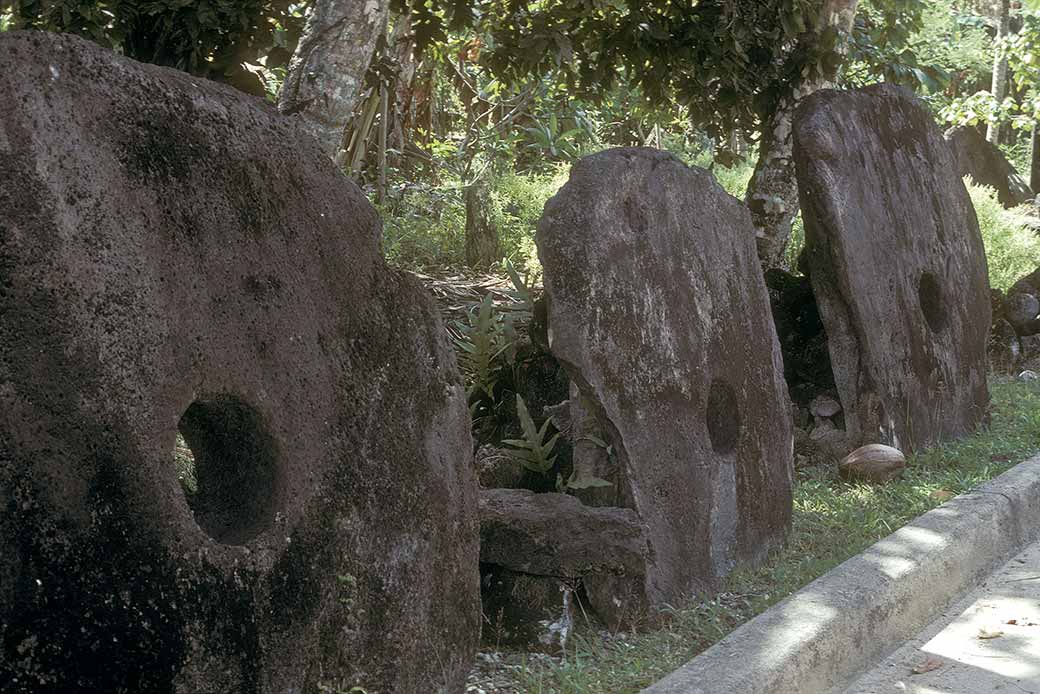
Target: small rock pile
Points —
{"points": [[1014, 340], [819, 436]]}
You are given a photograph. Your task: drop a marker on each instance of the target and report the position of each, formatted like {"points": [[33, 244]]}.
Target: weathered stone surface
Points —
{"points": [[1021, 310], [828, 442], [979, 158], [824, 406], [496, 469], [1030, 346], [897, 265], [176, 255], [590, 458], [873, 463], [1004, 346], [658, 311], [621, 602], [1028, 284], [555, 535]]}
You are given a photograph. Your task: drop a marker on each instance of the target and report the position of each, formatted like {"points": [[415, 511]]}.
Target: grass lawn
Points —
{"points": [[833, 520]]}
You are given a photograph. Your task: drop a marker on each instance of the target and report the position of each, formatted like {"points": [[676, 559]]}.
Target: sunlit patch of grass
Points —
{"points": [[833, 520]]}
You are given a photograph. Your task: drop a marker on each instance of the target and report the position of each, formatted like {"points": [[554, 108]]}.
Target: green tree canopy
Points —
{"points": [[209, 38], [728, 61]]}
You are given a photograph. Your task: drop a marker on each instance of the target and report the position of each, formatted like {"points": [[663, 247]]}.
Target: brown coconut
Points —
{"points": [[873, 463]]}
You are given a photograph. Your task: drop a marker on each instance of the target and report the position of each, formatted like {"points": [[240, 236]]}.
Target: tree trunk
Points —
{"points": [[482, 249], [384, 127], [402, 45], [1000, 67], [772, 194], [327, 70], [1034, 159]]}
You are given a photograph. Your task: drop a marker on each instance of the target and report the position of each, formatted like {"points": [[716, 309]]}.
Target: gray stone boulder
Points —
{"points": [[177, 257], [824, 406], [1021, 310], [897, 265], [537, 549], [828, 442], [1030, 347], [1005, 347], [979, 158], [1028, 284], [658, 311]]}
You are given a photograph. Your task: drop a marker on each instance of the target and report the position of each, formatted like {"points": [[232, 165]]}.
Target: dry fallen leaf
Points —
{"points": [[928, 665], [987, 634], [941, 495]]}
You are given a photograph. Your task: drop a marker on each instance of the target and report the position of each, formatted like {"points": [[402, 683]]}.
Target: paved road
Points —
{"points": [[987, 642]]}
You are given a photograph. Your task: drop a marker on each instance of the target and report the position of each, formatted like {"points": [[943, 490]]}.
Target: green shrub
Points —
{"points": [[517, 204], [425, 225], [733, 178], [1019, 155], [795, 243], [1012, 248]]}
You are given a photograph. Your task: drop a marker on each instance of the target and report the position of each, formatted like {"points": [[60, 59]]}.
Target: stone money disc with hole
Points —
{"points": [[897, 265], [177, 258], [659, 312]]}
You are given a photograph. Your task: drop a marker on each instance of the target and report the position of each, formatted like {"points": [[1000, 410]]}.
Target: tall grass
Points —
{"points": [[1012, 248]]}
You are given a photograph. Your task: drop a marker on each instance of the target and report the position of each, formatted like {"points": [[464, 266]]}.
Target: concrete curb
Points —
{"points": [[818, 639]]}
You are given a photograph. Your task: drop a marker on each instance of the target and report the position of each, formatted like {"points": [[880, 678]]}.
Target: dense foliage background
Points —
{"points": [[491, 100]]}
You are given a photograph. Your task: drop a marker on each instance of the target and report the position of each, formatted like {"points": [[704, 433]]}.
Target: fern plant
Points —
{"points": [[532, 451], [485, 337], [520, 294]]}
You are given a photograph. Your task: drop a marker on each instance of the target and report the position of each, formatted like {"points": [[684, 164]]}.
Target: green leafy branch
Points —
{"points": [[520, 294], [533, 451], [485, 337]]}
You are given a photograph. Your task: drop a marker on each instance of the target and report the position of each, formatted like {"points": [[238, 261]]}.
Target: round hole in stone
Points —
{"points": [[929, 293], [227, 465], [723, 417]]}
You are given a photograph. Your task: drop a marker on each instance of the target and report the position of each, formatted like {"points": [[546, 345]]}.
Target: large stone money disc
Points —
{"points": [[658, 310], [176, 257], [897, 265]]}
